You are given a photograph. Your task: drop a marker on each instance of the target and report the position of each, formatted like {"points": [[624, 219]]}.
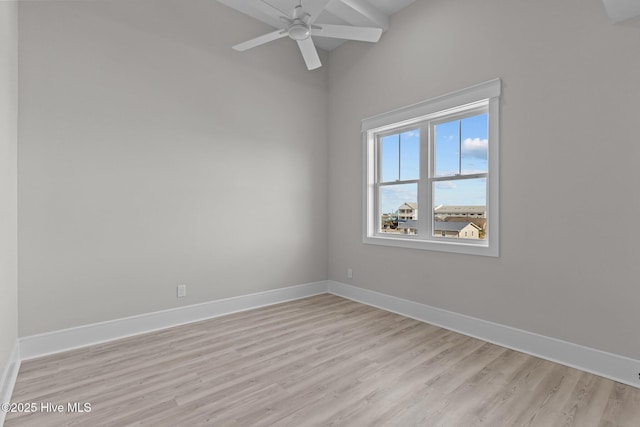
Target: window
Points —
{"points": [[432, 173]]}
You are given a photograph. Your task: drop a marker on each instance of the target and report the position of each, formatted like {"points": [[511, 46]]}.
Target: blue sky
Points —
{"points": [[460, 148]]}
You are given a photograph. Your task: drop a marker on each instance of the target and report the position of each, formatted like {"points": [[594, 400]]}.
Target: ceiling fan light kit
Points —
{"points": [[300, 28], [299, 32]]}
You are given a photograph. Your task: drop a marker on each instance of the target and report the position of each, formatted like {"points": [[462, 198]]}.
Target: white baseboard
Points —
{"points": [[68, 339], [618, 368], [8, 378]]}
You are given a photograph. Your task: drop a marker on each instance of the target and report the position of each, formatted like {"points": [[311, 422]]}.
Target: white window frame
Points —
{"points": [[485, 95]]}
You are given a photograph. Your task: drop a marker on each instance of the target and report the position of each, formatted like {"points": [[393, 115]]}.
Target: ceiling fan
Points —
{"points": [[299, 26]]}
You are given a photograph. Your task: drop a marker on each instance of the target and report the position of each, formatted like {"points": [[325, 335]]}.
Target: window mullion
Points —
{"points": [[378, 177], [399, 157], [424, 187], [459, 147], [377, 222]]}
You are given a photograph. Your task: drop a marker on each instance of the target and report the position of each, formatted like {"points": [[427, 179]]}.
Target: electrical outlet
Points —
{"points": [[182, 291], [350, 273]]}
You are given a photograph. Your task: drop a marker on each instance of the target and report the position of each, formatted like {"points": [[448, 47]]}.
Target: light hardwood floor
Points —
{"points": [[322, 360]]}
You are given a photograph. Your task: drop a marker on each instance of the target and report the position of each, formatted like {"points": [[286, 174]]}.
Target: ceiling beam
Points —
{"points": [[359, 12], [257, 9], [621, 10]]}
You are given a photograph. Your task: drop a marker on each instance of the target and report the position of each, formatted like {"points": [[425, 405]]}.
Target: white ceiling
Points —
{"points": [[363, 13]]}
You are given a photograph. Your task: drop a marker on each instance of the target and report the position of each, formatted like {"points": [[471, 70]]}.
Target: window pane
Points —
{"points": [[459, 208], [399, 208], [475, 144], [447, 149], [410, 154], [389, 158]]}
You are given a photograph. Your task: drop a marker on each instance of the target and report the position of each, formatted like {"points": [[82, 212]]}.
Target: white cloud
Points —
{"points": [[446, 185], [470, 170], [475, 147], [395, 195]]}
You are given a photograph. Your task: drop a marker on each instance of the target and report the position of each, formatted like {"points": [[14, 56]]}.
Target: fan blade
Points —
{"points": [[309, 53], [275, 35], [314, 8], [365, 34]]}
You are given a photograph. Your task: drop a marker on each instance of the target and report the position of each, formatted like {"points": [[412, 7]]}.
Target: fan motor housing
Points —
{"points": [[299, 31]]}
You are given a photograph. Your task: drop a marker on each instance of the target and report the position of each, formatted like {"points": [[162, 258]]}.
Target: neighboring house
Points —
{"points": [[408, 211], [409, 226], [480, 222], [458, 230], [461, 230], [442, 212]]}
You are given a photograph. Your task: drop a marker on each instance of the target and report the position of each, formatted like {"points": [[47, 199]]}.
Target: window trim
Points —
{"points": [[460, 101]]}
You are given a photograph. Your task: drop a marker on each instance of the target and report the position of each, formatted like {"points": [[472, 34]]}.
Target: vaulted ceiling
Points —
{"points": [[364, 13], [374, 13]]}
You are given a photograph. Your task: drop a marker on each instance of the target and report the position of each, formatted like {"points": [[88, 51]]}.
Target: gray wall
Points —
{"points": [[8, 181], [569, 163], [152, 154]]}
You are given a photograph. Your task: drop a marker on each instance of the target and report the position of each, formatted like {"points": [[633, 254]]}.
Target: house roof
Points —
{"points": [[452, 226], [411, 223], [460, 209], [410, 204], [480, 222]]}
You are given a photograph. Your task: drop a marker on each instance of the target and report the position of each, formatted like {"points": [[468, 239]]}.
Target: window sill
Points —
{"points": [[481, 248]]}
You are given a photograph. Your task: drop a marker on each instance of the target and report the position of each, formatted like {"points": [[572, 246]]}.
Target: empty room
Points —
{"points": [[319, 212]]}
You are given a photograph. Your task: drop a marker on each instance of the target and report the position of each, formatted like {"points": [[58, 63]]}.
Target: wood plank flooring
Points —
{"points": [[322, 360]]}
